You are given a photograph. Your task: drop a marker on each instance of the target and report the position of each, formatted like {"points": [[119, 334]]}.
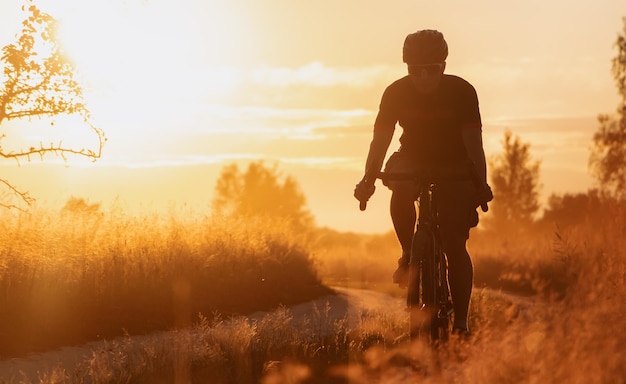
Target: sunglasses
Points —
{"points": [[430, 69]]}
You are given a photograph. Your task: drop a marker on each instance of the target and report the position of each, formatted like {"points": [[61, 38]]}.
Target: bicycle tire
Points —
{"points": [[422, 290], [429, 289], [445, 308], [414, 297]]}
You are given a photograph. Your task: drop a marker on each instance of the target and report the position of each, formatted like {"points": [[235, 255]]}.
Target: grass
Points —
{"points": [[236, 350], [71, 277], [356, 260], [564, 324]]}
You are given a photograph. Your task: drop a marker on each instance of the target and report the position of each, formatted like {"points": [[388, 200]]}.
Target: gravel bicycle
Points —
{"points": [[428, 293]]}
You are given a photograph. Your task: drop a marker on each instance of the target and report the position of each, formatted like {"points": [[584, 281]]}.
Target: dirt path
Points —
{"points": [[345, 303]]}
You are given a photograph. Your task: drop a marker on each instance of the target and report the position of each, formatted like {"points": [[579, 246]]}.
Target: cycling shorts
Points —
{"points": [[456, 198]]}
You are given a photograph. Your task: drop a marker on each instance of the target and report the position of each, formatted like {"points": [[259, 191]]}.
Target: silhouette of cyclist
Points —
{"points": [[442, 133]]}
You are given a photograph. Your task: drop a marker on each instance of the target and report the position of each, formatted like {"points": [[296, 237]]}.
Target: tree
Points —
{"points": [[38, 81], [515, 183], [571, 209], [79, 206], [608, 153], [260, 192]]}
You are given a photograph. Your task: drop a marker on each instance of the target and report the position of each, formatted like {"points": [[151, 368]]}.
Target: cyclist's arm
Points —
{"points": [[378, 150], [384, 127], [473, 140]]}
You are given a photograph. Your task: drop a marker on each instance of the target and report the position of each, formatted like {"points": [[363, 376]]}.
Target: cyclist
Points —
{"points": [[441, 132]]}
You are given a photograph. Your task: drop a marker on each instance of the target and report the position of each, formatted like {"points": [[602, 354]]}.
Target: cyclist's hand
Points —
{"points": [[363, 191], [485, 195]]}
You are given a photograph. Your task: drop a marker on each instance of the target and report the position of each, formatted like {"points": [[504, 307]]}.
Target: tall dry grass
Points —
{"points": [[271, 349], [547, 307], [570, 331], [356, 260], [72, 276], [567, 327]]}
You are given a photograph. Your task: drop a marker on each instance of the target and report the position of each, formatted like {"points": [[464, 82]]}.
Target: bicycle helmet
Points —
{"points": [[424, 47]]}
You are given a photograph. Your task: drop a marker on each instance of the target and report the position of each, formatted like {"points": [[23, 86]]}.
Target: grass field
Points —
{"points": [[548, 308], [76, 276]]}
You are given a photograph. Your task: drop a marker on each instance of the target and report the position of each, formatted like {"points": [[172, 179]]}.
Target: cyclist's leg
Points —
{"points": [[460, 274], [402, 209], [403, 216], [456, 215]]}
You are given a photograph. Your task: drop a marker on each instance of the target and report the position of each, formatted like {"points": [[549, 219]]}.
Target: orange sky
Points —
{"points": [[182, 87]]}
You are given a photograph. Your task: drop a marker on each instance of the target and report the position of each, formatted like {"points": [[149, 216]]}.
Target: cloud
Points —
{"points": [[232, 119], [194, 160], [345, 130], [230, 111], [317, 74], [540, 85]]}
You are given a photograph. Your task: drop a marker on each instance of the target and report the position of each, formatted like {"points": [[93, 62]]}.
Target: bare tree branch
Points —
{"points": [[23, 196], [40, 83]]}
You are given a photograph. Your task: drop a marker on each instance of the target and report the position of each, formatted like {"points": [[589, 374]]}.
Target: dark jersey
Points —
{"points": [[432, 124]]}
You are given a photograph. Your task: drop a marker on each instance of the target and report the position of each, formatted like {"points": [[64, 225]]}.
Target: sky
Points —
{"points": [[182, 88]]}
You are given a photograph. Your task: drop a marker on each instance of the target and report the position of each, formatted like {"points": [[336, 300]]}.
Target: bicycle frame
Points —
{"points": [[428, 295], [428, 298]]}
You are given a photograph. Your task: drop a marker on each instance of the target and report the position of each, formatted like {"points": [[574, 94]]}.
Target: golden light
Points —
{"points": [[146, 58]]}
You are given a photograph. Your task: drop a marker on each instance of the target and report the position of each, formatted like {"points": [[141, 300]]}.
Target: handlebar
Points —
{"points": [[417, 178]]}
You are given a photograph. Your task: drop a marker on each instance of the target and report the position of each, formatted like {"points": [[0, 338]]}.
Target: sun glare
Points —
{"points": [[147, 58]]}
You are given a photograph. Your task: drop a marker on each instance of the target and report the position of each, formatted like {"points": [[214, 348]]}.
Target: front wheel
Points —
{"points": [[445, 325], [421, 296]]}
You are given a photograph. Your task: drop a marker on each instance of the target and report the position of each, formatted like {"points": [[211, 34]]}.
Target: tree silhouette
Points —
{"points": [[608, 153], [79, 206], [515, 183], [38, 80], [260, 192], [571, 209]]}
